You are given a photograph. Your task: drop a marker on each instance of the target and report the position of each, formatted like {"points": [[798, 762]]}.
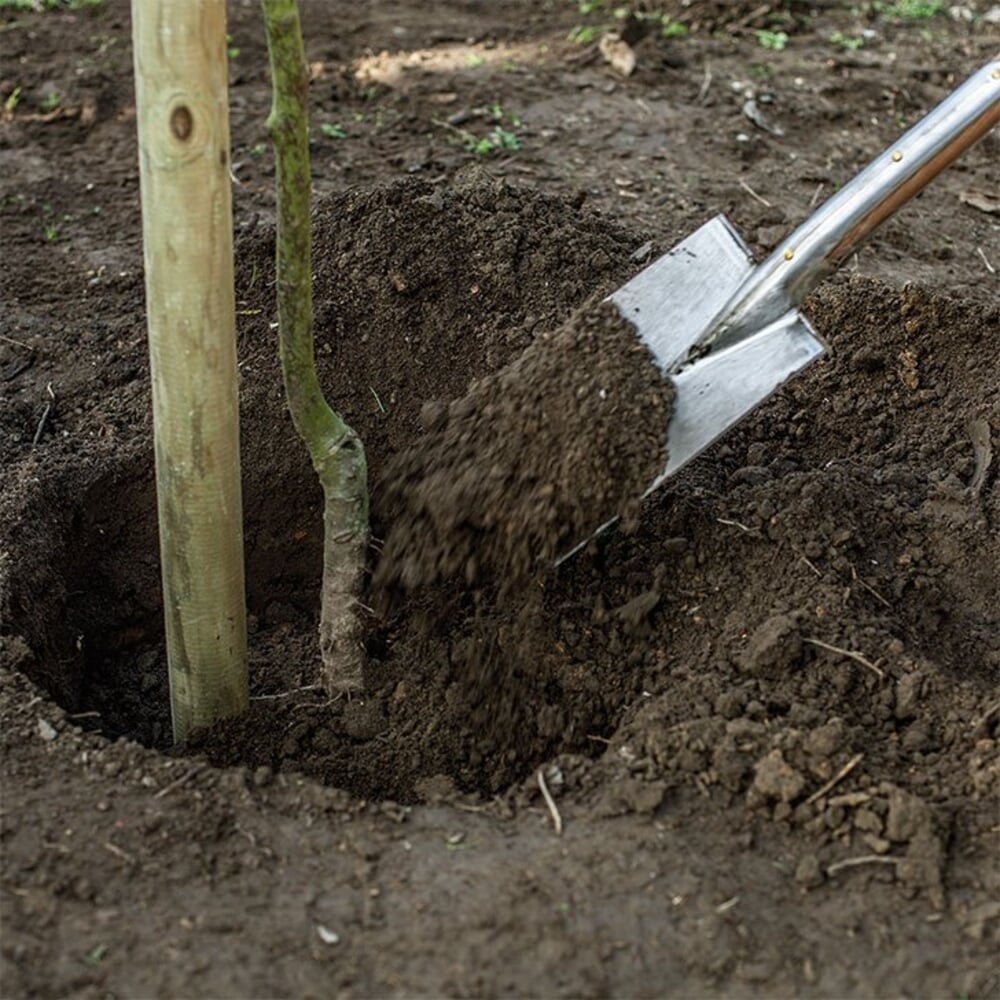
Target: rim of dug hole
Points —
{"points": [[880, 478], [419, 291]]}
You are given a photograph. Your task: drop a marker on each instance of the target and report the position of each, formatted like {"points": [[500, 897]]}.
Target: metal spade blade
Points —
{"points": [[729, 333]]}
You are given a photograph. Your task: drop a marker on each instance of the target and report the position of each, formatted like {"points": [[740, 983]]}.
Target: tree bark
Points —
{"points": [[337, 453]]}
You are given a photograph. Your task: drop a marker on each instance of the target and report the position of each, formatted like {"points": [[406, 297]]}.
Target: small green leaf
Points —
{"points": [[332, 131], [909, 10], [851, 43], [584, 34], [96, 954], [775, 40]]}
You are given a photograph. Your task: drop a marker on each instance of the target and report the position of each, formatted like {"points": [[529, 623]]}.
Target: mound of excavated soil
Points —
{"points": [[812, 601], [421, 290]]}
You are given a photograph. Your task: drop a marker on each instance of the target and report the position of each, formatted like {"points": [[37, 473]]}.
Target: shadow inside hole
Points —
{"points": [[471, 699], [454, 699]]}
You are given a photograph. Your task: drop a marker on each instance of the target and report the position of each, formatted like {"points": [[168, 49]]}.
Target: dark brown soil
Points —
{"points": [[767, 716], [531, 461]]}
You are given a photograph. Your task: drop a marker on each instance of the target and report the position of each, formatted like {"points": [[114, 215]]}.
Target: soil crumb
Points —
{"points": [[531, 460]]}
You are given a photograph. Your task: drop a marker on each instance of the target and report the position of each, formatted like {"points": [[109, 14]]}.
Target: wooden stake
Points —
{"points": [[182, 107]]}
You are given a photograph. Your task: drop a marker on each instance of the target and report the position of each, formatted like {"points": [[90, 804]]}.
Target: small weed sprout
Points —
{"points": [[332, 131], [497, 113], [850, 42], [499, 139], [908, 10], [774, 40]]}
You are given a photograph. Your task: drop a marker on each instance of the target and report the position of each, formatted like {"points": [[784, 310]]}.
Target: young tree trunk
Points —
{"points": [[336, 451]]}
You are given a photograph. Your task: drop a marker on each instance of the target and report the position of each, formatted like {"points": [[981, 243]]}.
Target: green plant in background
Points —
{"points": [[53, 234], [12, 101], [499, 139], [584, 34], [908, 10], [231, 50], [850, 42], [497, 113], [609, 13], [332, 131], [96, 955], [774, 40], [502, 137], [48, 4]]}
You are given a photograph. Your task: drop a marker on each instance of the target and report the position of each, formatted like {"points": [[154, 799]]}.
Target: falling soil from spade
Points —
{"points": [[531, 461]]}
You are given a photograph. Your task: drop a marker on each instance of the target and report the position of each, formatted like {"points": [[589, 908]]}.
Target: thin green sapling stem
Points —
{"points": [[337, 453]]}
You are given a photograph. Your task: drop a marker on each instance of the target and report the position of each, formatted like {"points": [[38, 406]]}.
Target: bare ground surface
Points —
{"points": [[767, 716]]}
